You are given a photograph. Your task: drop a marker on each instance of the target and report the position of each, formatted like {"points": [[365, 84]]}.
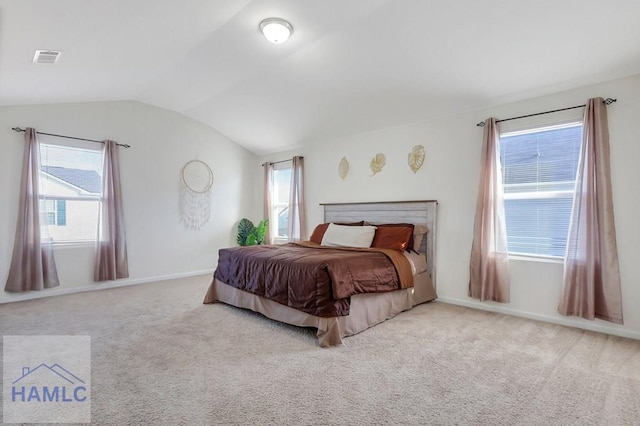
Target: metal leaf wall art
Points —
{"points": [[343, 168], [377, 163], [416, 158]]}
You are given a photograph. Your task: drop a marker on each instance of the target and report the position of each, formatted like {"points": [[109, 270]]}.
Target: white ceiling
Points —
{"points": [[350, 66]]}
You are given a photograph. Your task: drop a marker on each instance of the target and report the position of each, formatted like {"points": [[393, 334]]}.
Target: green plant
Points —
{"points": [[249, 234]]}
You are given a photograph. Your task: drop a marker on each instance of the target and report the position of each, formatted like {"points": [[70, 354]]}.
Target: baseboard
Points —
{"points": [[569, 322], [59, 291]]}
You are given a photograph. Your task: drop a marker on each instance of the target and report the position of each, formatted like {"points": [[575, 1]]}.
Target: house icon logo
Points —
{"points": [[46, 379], [48, 383]]}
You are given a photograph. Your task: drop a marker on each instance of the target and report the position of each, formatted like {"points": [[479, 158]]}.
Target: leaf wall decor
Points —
{"points": [[343, 168], [416, 158], [377, 163]]}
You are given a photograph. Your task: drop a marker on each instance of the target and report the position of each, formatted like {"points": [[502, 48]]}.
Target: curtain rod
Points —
{"points": [[276, 162], [18, 129], [607, 101]]}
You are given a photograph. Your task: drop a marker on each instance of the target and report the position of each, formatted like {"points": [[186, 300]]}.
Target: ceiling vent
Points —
{"points": [[46, 56]]}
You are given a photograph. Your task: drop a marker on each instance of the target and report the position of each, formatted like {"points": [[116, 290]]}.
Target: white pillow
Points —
{"points": [[348, 236]]}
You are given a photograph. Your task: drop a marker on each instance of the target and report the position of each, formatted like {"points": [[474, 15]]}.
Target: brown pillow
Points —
{"points": [[396, 225], [318, 233], [393, 237]]}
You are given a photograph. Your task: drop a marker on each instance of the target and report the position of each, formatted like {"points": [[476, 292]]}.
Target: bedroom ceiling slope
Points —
{"points": [[350, 66]]}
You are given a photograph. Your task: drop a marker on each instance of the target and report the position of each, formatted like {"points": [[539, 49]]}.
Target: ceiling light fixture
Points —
{"points": [[276, 30]]}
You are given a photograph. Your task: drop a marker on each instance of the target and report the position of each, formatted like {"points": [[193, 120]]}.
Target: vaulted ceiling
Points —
{"points": [[350, 66]]}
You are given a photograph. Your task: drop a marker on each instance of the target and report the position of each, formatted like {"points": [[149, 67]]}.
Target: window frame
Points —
{"points": [[80, 146], [533, 195], [277, 207]]}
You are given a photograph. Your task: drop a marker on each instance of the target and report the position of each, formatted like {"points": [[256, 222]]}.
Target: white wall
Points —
{"points": [[162, 142], [450, 175]]}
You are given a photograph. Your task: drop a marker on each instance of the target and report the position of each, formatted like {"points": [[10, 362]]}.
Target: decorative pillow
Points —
{"points": [[393, 237], [318, 233], [348, 236], [419, 231], [395, 225]]}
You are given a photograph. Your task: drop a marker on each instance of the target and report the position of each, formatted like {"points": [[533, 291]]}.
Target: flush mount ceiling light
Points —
{"points": [[276, 30]]}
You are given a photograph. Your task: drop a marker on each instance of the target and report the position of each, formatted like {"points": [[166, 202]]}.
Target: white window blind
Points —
{"points": [[538, 173]]}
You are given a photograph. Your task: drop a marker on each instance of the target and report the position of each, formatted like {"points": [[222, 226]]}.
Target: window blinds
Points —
{"points": [[538, 173]]}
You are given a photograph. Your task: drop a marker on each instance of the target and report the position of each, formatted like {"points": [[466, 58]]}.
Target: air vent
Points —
{"points": [[46, 56]]}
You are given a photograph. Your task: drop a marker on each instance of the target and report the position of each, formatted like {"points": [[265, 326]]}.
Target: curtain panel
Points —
{"points": [[267, 210], [33, 266], [297, 223], [489, 266], [111, 247], [591, 281]]}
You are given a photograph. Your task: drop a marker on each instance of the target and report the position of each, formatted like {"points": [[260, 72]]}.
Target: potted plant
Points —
{"points": [[249, 234]]}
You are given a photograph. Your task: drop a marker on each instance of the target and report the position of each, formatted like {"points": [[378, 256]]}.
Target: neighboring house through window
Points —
{"points": [[56, 212], [70, 190], [538, 173]]}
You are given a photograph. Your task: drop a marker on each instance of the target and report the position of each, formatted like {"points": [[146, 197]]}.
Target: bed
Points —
{"points": [[363, 310]]}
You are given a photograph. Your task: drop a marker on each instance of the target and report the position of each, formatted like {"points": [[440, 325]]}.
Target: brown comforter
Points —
{"points": [[311, 278]]}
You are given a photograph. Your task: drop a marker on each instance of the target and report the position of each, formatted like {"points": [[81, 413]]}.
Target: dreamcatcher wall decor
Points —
{"points": [[197, 180]]}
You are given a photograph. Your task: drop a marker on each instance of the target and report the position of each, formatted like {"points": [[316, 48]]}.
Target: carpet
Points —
{"points": [[161, 357]]}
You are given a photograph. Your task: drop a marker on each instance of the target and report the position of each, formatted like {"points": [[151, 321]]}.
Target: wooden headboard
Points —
{"points": [[416, 212]]}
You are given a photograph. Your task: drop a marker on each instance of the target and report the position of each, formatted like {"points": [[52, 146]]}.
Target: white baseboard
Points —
{"points": [[59, 291], [598, 326]]}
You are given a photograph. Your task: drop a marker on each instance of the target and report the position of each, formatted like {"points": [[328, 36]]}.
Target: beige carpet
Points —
{"points": [[160, 357]]}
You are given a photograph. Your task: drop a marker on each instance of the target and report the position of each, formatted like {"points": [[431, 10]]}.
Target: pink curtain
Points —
{"points": [[111, 247], [32, 265], [268, 184], [297, 220], [591, 275], [489, 267]]}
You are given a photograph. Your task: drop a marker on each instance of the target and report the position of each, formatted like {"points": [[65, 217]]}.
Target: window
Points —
{"points": [[538, 173], [70, 190], [280, 199]]}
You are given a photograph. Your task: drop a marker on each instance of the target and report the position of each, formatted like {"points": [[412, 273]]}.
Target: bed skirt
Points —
{"points": [[366, 310]]}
